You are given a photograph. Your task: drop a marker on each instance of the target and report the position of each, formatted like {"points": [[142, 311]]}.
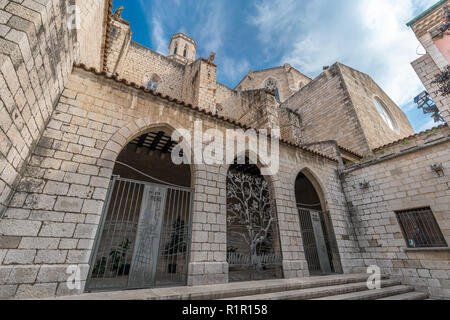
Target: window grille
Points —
{"points": [[420, 228]]}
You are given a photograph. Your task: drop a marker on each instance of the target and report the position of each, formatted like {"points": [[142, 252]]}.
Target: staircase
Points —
{"points": [[333, 287], [338, 288]]}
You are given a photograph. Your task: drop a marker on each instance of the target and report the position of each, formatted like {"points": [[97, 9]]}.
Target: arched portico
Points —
{"points": [[143, 238]]}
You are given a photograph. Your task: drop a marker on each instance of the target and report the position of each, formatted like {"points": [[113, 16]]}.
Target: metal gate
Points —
{"points": [[315, 241], [144, 237]]}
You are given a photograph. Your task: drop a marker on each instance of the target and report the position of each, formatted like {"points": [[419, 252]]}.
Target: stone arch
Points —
{"points": [[129, 215], [316, 236], [317, 184], [274, 180], [121, 138], [271, 246]]}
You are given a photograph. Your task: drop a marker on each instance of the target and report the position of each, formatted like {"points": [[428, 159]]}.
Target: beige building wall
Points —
{"points": [[326, 112], [36, 57], [90, 35], [434, 61], [339, 105], [427, 70], [401, 178], [363, 90]]}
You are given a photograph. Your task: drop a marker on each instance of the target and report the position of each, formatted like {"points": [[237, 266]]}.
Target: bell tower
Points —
{"points": [[182, 48]]}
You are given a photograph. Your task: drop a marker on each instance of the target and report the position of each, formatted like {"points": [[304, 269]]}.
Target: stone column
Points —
{"points": [[208, 259]]}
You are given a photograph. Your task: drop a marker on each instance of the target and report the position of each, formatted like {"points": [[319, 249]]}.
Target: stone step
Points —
{"points": [[316, 292], [371, 294], [413, 295], [227, 290]]}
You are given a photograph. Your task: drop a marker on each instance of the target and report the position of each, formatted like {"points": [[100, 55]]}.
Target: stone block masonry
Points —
{"points": [[36, 57], [402, 182], [53, 218]]}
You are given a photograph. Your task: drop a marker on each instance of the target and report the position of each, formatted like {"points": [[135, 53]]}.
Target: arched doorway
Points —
{"points": [[143, 238], [253, 240], [317, 232]]}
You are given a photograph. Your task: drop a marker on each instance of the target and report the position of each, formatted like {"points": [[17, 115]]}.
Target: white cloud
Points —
{"points": [[158, 38], [232, 69], [369, 35], [428, 125]]}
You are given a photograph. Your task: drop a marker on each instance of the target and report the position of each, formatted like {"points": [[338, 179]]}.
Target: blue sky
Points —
{"points": [[368, 35]]}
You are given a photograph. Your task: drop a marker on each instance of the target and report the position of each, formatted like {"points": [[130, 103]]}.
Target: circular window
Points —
{"points": [[384, 114]]}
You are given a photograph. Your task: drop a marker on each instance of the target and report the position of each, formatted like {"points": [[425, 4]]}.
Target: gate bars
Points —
{"points": [[116, 247]]}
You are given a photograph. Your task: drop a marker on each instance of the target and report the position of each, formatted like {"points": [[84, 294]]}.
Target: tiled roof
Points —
{"points": [[408, 138]]}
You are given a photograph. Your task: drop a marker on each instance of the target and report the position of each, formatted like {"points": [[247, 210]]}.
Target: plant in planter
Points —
{"points": [[99, 268], [118, 258]]}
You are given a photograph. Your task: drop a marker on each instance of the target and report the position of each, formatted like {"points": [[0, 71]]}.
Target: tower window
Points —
{"points": [[271, 85], [185, 52], [384, 114], [152, 84], [176, 48], [420, 228]]}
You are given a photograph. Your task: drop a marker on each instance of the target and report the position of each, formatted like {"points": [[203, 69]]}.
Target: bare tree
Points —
{"points": [[251, 207]]}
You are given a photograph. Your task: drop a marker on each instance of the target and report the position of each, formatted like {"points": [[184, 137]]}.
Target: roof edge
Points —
{"points": [[426, 12]]}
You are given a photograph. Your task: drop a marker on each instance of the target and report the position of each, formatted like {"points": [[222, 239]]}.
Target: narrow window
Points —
{"points": [[420, 228], [185, 52]]}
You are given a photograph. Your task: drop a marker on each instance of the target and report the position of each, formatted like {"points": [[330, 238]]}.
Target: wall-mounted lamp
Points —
{"points": [[438, 168]]}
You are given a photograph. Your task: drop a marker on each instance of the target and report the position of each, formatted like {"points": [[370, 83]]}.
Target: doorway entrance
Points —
{"points": [[143, 238], [253, 241], [319, 242]]}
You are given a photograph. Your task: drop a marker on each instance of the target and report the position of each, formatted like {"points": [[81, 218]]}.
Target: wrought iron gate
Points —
{"points": [[143, 239], [253, 242], [316, 243]]}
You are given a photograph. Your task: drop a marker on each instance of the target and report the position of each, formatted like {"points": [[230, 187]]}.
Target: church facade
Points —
{"points": [[91, 198]]}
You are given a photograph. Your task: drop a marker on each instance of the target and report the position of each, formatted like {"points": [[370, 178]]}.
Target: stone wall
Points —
{"points": [[92, 31], [54, 216], [363, 90], [36, 56], [141, 63], [119, 42], [422, 29], [228, 102], [339, 105], [327, 112], [401, 178]]}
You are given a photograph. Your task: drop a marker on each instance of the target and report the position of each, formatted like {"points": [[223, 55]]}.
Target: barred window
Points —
{"points": [[420, 228]]}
